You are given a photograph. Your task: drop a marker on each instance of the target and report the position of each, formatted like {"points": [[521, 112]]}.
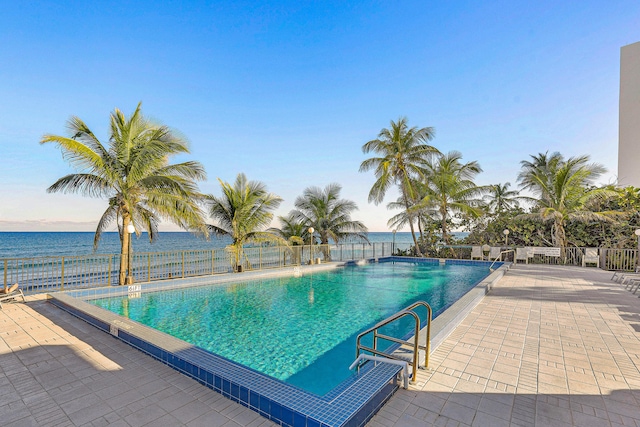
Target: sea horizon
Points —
{"points": [[31, 244]]}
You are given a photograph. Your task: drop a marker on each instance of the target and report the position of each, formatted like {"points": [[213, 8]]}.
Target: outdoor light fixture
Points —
{"points": [[311, 230], [506, 236]]}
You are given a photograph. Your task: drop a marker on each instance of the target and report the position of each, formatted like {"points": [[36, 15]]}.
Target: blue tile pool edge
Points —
{"points": [[353, 406], [302, 409]]}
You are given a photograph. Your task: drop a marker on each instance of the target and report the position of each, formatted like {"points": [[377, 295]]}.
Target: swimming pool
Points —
{"points": [[291, 395], [301, 330]]}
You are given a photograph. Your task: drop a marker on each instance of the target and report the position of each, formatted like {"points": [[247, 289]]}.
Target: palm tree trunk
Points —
{"points": [[445, 232], [410, 217], [325, 246], [561, 239], [124, 251]]}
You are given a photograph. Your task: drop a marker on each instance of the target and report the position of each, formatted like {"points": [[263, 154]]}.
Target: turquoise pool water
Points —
{"points": [[300, 330]]}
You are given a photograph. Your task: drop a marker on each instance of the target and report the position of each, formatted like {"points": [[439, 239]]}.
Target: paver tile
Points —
{"points": [[548, 346], [557, 341]]}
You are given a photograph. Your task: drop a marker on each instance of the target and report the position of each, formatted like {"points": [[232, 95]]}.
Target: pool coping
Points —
{"points": [[352, 405]]}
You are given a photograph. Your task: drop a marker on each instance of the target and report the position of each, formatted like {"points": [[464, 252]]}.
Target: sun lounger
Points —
{"points": [[633, 286], [523, 254], [476, 252], [494, 253], [10, 294], [624, 277], [591, 257]]}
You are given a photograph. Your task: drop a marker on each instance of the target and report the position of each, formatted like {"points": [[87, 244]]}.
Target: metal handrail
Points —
{"points": [[500, 257], [408, 311]]}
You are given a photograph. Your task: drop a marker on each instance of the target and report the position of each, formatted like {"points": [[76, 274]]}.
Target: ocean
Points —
{"points": [[38, 244]]}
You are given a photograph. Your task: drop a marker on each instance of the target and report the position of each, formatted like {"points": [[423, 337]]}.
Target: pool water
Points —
{"points": [[300, 330]]}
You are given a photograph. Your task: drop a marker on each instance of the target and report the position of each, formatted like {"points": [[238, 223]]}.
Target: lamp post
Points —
{"points": [[506, 236], [311, 230], [130, 229]]}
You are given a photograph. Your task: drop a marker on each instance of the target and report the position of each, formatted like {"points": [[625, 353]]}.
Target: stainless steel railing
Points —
{"points": [[413, 345]]}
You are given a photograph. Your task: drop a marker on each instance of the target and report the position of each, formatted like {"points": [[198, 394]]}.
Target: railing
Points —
{"points": [[414, 346], [500, 257], [610, 259], [618, 259], [49, 274]]}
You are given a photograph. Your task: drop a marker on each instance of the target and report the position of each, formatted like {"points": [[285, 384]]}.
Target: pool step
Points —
{"points": [[405, 353]]}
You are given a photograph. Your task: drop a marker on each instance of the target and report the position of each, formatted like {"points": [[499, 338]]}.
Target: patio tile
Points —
{"points": [[571, 362], [548, 346]]}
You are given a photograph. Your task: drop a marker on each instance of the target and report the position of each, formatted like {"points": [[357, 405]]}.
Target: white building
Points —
{"points": [[629, 117]]}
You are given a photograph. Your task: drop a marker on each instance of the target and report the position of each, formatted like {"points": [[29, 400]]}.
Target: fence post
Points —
{"points": [[109, 271], [212, 261], [260, 256], [183, 264], [148, 267], [62, 276], [5, 273]]}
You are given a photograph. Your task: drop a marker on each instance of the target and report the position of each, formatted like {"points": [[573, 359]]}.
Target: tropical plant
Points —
{"points": [[500, 199], [449, 189], [329, 215], [403, 153], [243, 212], [426, 222], [134, 173], [291, 230], [563, 192], [294, 232]]}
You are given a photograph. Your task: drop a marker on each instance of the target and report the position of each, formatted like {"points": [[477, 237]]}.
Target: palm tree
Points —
{"points": [[424, 217], [403, 153], [134, 173], [449, 189], [501, 199], [563, 191], [243, 212], [294, 232], [329, 215]]}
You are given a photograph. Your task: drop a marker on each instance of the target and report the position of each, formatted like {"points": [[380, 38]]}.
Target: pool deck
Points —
{"points": [[549, 346]]}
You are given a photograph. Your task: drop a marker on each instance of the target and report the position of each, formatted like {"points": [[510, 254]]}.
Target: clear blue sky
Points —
{"points": [[289, 92]]}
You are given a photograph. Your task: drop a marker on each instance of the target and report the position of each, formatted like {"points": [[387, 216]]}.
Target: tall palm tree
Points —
{"points": [[134, 173], [328, 214], [563, 191], [500, 199], [449, 189], [403, 152], [243, 212]]}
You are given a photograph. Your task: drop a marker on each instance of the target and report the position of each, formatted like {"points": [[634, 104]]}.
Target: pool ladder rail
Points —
{"points": [[499, 258], [410, 351]]}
